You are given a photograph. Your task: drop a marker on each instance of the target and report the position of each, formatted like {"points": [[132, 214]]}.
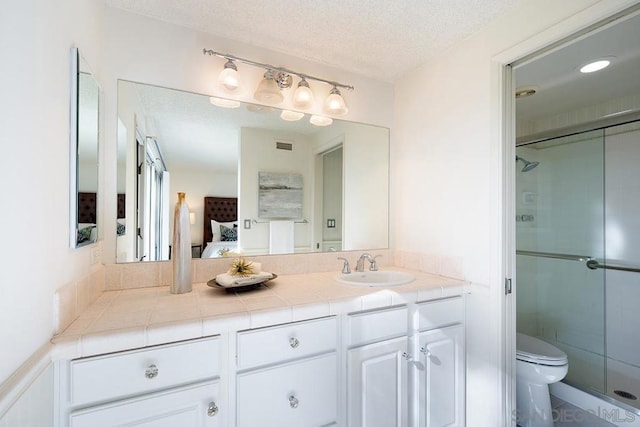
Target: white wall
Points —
{"points": [[35, 41], [149, 51], [259, 154], [34, 408], [365, 189], [447, 172]]}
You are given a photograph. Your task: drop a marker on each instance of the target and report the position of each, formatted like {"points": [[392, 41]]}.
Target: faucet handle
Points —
{"points": [[373, 264], [345, 267]]}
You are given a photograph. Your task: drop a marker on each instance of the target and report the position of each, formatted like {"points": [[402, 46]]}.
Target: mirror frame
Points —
{"points": [[74, 63], [74, 147]]}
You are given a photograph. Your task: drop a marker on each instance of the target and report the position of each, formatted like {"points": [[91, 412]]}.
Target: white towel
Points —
{"points": [[229, 281], [280, 237]]}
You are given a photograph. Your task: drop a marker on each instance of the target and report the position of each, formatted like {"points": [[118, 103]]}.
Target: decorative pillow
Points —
{"points": [[229, 234], [215, 229], [84, 234]]}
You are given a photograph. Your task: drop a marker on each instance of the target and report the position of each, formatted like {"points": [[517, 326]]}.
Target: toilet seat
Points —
{"points": [[534, 350]]}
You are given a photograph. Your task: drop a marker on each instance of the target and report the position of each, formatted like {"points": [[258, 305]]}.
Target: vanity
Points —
{"points": [[302, 350]]}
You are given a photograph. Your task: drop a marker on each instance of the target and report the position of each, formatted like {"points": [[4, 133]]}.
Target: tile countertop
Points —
{"points": [[135, 318]]}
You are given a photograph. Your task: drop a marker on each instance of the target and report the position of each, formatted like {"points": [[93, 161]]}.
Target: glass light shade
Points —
{"points": [[291, 116], [303, 96], [268, 90], [229, 79], [320, 120], [225, 103], [334, 104]]}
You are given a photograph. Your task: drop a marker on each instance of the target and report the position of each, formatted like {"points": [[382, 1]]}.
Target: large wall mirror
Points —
{"points": [[84, 137], [256, 181]]}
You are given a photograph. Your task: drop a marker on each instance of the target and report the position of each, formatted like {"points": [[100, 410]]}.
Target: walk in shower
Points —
{"points": [[578, 254]]}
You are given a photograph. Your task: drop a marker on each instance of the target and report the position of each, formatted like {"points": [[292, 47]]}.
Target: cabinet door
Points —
{"points": [[441, 384], [193, 406], [377, 384], [300, 394]]}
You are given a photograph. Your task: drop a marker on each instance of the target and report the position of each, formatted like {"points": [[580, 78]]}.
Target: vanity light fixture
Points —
{"points": [[334, 104], [229, 76], [225, 103], [278, 78], [320, 120], [291, 116], [268, 90], [303, 96]]}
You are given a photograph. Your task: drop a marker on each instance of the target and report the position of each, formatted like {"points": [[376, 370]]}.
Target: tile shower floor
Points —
{"points": [[568, 415]]}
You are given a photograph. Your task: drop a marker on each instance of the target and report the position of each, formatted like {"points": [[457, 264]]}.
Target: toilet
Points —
{"points": [[538, 364]]}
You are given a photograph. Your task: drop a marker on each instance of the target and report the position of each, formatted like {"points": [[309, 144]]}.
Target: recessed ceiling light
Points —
{"points": [[594, 66]]}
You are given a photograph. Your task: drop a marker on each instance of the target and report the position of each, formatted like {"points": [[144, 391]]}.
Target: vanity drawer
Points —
{"points": [[196, 405], [113, 376], [287, 342], [377, 325], [433, 314], [301, 394]]}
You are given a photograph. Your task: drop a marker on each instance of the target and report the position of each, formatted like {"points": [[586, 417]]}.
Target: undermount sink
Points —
{"points": [[376, 278]]}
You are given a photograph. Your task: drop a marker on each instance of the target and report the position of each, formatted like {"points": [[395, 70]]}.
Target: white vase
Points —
{"points": [[181, 252]]}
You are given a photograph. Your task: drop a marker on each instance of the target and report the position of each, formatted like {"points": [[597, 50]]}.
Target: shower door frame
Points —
{"points": [[581, 23]]}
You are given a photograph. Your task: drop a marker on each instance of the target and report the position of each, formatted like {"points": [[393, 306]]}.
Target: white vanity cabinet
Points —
{"points": [[440, 362], [169, 385], [288, 375], [377, 368], [395, 366], [405, 365]]}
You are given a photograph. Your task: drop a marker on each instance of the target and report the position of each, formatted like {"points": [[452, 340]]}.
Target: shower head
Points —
{"points": [[527, 164]]}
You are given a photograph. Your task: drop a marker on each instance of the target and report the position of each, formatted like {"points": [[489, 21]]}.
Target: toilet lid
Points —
{"points": [[534, 350]]}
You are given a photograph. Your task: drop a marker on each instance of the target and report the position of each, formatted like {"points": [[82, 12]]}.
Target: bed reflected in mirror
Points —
{"points": [[255, 183]]}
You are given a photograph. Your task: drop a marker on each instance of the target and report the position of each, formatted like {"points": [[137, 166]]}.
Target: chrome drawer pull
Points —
{"points": [[293, 402], [151, 372], [406, 356], [293, 342], [213, 409]]}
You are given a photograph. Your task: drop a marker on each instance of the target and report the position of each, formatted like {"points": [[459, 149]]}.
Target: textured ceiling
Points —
{"points": [[383, 39]]}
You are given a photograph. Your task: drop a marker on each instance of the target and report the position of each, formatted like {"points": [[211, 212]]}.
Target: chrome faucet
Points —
{"points": [[373, 265], [345, 267]]}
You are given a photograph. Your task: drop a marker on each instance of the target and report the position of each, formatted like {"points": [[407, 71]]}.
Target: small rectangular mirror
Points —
{"points": [[84, 136]]}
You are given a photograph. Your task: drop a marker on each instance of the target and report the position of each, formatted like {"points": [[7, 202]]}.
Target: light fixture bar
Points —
{"points": [[271, 67]]}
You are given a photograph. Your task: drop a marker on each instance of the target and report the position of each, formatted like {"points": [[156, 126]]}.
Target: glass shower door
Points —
{"points": [[559, 225]]}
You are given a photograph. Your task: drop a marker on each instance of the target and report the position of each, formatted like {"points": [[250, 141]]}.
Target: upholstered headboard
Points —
{"points": [[121, 205], [221, 209], [86, 208]]}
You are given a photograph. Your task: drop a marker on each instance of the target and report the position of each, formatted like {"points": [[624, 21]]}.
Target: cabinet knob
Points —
{"points": [[151, 372], [406, 355], [424, 350], [212, 409], [293, 402], [293, 342]]}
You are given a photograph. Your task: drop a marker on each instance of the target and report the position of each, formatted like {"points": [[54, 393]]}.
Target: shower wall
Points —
{"points": [[561, 211], [583, 199], [622, 195]]}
